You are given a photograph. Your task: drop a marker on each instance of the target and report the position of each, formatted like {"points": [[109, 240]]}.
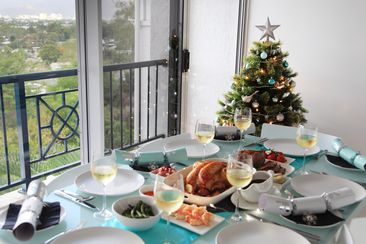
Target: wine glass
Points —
{"points": [[169, 197], [242, 120], [239, 174], [306, 137], [205, 132], [103, 170]]}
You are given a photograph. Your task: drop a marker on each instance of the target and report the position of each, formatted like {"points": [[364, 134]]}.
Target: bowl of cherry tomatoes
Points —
{"points": [[163, 171]]}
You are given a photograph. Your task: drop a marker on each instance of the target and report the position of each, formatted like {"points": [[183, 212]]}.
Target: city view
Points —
{"points": [[32, 42]]}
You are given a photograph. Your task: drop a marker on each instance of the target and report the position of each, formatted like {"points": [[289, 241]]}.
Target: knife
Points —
{"points": [[76, 200]]}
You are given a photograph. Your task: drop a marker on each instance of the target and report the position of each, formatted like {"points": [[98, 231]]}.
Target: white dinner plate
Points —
{"points": [[193, 147], [289, 147], [97, 235], [201, 230], [4, 212], [258, 232], [317, 184], [126, 181]]}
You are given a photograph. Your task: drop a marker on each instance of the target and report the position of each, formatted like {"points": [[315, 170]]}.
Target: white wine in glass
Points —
{"points": [[306, 137], [169, 198], [239, 174], [242, 120], [205, 132], [103, 170]]}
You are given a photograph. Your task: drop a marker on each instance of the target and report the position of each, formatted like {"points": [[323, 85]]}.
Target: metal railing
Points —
{"points": [[54, 119]]}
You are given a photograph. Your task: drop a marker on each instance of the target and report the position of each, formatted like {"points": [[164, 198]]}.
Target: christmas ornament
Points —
{"points": [[292, 83], [255, 104], [285, 64], [266, 117], [267, 30], [280, 117], [232, 102], [279, 85], [290, 108], [275, 99], [287, 83], [264, 55], [259, 81], [247, 66], [286, 94], [271, 81], [247, 99]]}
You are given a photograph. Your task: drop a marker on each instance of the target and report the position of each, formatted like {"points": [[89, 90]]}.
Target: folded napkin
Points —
{"points": [[49, 216], [307, 205], [348, 154], [227, 133], [319, 219], [29, 212]]}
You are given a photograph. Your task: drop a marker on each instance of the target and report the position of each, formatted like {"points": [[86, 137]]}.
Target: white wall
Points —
{"points": [[325, 40], [211, 33]]}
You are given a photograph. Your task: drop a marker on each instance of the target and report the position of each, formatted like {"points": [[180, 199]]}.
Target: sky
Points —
{"points": [[14, 8]]}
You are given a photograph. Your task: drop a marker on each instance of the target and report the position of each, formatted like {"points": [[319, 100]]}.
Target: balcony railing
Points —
{"points": [[41, 131]]}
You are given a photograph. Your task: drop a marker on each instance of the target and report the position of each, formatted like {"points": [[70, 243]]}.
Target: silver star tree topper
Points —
{"points": [[267, 30]]}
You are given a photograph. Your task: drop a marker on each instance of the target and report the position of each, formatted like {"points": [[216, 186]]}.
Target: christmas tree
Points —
{"points": [[266, 85]]}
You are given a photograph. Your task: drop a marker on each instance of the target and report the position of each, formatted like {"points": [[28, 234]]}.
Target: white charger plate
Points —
{"points": [[289, 147], [243, 204], [4, 212], [317, 184], [258, 232], [193, 147], [126, 181], [201, 230], [97, 235]]}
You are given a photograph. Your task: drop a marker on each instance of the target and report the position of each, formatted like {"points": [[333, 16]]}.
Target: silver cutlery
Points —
{"points": [[76, 200], [260, 141], [77, 227], [311, 237], [212, 206], [82, 198], [179, 163]]}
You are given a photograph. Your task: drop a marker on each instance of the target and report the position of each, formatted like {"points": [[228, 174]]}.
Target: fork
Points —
{"points": [[77, 227]]}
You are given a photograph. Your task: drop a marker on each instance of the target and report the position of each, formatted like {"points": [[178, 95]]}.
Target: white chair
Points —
{"points": [[272, 131]]}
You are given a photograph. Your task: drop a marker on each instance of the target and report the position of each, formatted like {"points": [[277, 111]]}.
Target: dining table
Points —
{"points": [[75, 214]]}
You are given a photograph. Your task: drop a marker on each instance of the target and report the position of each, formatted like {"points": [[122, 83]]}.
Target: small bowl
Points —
{"points": [[136, 224], [146, 188]]}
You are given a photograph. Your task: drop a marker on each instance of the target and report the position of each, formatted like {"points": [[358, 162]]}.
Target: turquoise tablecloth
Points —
{"points": [[75, 213]]}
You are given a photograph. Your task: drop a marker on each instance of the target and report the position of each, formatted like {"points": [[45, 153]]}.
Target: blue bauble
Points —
{"points": [[247, 66], [285, 64], [271, 81], [264, 55]]}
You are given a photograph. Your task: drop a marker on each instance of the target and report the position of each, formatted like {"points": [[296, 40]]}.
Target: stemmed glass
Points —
{"points": [[104, 170], [242, 120], [205, 132], [306, 137], [169, 197], [239, 174]]}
